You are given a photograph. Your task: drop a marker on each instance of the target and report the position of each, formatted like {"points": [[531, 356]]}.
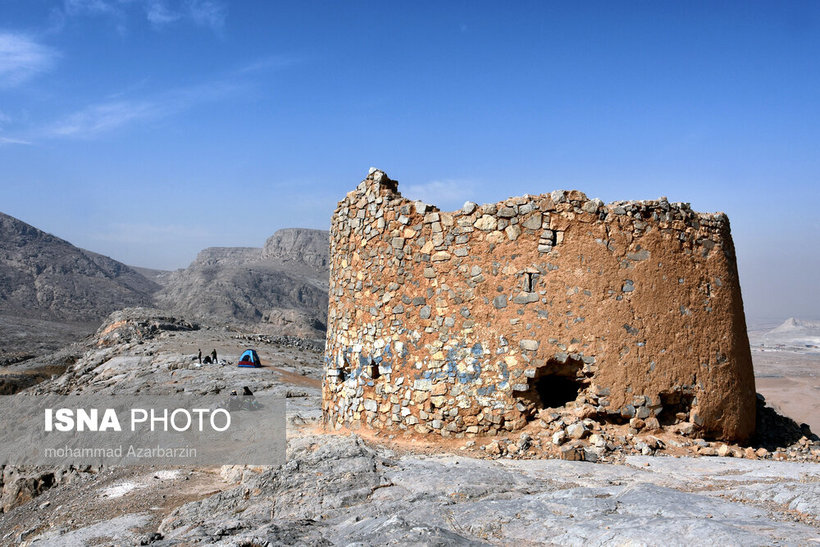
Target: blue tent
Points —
{"points": [[249, 359]]}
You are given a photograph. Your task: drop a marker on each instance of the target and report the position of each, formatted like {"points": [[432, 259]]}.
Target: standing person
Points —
{"points": [[213, 356], [200, 357]]}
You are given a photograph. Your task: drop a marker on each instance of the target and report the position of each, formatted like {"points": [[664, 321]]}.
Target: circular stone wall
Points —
{"points": [[472, 321]]}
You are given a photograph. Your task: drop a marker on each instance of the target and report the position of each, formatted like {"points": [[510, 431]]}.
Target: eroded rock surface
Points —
{"points": [[336, 490]]}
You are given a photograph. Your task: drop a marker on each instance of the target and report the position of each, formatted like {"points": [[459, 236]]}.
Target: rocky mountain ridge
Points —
{"points": [[47, 277], [281, 286], [53, 292]]}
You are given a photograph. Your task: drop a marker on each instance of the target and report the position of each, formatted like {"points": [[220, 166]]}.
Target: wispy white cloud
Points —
{"points": [[113, 10], [8, 140], [205, 13], [100, 118], [208, 13], [111, 115], [89, 7], [447, 194], [21, 58], [160, 13]]}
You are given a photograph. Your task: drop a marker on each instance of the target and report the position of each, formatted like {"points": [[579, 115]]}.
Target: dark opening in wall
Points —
{"points": [[347, 368], [530, 280], [676, 406], [554, 385], [556, 391]]}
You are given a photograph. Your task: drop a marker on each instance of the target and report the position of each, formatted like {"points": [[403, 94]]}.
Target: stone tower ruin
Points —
{"points": [[473, 321]]}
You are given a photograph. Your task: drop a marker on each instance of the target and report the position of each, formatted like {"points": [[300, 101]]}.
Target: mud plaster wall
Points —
{"points": [[470, 322]]}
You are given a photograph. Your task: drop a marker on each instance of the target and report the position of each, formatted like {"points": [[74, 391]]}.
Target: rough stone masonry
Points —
{"points": [[474, 321]]}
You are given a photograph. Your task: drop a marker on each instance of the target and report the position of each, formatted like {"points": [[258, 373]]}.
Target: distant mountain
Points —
{"points": [[282, 285], [793, 326], [793, 334], [157, 276], [45, 277], [297, 247], [52, 293]]}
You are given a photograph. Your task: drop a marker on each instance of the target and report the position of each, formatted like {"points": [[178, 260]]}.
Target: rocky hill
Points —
{"points": [[282, 285], [47, 277], [52, 292], [298, 247]]}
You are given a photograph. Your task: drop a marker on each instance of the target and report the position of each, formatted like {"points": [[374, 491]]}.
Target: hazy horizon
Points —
{"points": [[148, 130]]}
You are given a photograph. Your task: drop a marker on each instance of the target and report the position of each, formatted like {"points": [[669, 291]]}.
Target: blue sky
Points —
{"points": [[148, 129]]}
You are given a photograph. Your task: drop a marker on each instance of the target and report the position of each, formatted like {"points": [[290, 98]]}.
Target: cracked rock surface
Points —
{"points": [[337, 490]]}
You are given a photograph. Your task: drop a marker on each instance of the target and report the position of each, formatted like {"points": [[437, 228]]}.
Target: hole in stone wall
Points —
{"points": [[555, 391], [676, 406], [554, 385], [529, 281], [347, 368]]}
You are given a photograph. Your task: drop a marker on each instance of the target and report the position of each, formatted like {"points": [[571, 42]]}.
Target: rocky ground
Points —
{"points": [[342, 490], [366, 488], [26, 337]]}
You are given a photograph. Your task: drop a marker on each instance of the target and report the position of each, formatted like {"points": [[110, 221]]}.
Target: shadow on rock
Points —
{"points": [[775, 430]]}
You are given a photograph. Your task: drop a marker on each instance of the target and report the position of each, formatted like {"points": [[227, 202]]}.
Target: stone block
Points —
{"points": [[423, 385], [486, 223], [577, 430], [533, 222], [572, 453], [529, 345], [512, 231]]}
